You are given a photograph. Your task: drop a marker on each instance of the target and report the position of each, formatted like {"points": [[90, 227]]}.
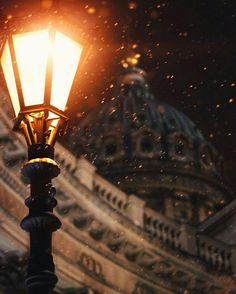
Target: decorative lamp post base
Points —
{"points": [[41, 222]]}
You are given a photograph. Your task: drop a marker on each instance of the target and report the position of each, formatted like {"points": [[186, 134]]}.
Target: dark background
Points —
{"points": [[187, 47]]}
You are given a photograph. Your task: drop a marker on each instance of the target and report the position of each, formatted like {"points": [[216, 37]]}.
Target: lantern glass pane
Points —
{"points": [[6, 63], [66, 56], [52, 115], [31, 51]]}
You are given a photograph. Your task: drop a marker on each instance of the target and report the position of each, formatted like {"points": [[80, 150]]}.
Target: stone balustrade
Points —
{"points": [[214, 253], [110, 194], [162, 228], [178, 236]]}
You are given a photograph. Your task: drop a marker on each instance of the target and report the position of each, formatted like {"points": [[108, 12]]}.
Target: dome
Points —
{"points": [[150, 149]]}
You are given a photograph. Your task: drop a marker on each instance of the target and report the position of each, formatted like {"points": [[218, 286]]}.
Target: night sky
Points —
{"points": [[187, 48]]}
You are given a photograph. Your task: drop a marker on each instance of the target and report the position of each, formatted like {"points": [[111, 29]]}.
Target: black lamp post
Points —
{"points": [[39, 69]]}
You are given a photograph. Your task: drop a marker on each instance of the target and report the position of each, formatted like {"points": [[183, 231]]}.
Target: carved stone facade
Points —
{"points": [[111, 242]]}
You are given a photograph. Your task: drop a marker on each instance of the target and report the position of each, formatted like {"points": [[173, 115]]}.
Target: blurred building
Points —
{"points": [[141, 198]]}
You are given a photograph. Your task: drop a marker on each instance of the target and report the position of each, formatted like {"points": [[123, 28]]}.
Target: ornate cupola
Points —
{"points": [[150, 149]]}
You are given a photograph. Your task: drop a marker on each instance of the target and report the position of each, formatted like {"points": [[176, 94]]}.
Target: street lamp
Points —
{"points": [[39, 68]]}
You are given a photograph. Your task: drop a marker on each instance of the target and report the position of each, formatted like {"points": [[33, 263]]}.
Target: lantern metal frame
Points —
{"points": [[34, 119]]}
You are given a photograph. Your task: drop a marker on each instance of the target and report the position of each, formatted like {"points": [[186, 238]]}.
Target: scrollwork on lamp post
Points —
{"points": [[39, 68]]}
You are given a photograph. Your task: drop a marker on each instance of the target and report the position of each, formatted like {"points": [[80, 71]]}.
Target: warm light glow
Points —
{"points": [[6, 64], [39, 68], [32, 51], [66, 56]]}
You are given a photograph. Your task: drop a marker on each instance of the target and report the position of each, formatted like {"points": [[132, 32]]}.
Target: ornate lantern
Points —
{"points": [[39, 69]]}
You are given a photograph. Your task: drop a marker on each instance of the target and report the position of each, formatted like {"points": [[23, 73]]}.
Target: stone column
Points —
{"points": [[135, 210], [188, 239], [85, 173]]}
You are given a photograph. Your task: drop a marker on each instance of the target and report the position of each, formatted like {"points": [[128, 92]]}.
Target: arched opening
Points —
{"points": [[146, 145]]}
